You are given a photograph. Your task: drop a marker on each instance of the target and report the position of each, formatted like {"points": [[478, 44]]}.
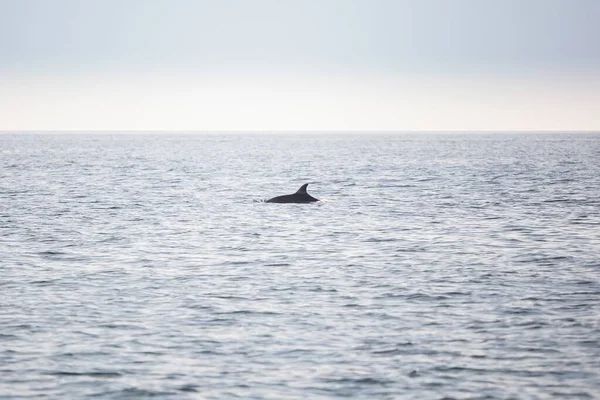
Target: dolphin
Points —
{"points": [[299, 197]]}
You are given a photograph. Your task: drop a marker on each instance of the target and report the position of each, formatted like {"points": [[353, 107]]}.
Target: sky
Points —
{"points": [[289, 65]]}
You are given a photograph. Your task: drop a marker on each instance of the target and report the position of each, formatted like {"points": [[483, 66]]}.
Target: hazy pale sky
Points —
{"points": [[299, 65]]}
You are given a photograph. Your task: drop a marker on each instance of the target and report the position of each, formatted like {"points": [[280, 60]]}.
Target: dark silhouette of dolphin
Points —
{"points": [[299, 197]]}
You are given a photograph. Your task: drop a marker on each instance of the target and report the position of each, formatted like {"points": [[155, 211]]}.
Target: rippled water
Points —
{"points": [[436, 266]]}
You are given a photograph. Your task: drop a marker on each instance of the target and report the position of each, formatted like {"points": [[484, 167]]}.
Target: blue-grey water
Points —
{"points": [[436, 266]]}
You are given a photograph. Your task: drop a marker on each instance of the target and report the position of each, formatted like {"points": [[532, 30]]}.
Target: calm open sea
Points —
{"points": [[437, 266]]}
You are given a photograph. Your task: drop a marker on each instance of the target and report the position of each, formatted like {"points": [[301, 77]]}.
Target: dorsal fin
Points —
{"points": [[302, 189]]}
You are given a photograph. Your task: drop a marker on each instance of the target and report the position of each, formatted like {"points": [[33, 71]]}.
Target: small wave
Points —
{"points": [[320, 289], [427, 297], [398, 349], [588, 223], [379, 240], [188, 388], [228, 297], [565, 200], [396, 186], [359, 381], [51, 253], [543, 260], [95, 374], [221, 321], [249, 312], [4, 336], [121, 326], [130, 393], [44, 282], [521, 311]]}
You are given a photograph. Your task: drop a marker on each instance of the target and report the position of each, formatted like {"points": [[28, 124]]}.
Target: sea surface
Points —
{"points": [[436, 266]]}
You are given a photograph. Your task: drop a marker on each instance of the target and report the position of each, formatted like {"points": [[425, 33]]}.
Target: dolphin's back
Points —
{"points": [[301, 196], [292, 198]]}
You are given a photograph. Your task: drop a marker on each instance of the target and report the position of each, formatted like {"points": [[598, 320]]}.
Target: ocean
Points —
{"points": [[435, 266]]}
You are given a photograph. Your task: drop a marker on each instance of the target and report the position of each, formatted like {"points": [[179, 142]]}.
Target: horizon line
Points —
{"points": [[275, 131]]}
